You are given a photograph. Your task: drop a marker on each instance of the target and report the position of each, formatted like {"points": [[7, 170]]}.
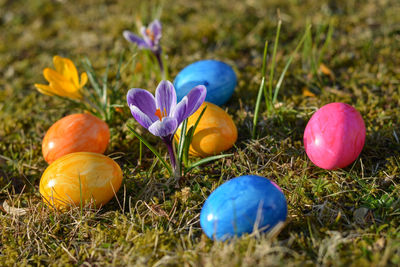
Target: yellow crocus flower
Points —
{"points": [[64, 80]]}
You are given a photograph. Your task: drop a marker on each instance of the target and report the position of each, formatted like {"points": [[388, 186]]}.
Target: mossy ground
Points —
{"points": [[343, 217]]}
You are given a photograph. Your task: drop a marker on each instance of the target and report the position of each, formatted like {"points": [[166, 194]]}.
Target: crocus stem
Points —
{"points": [[160, 62], [171, 151]]}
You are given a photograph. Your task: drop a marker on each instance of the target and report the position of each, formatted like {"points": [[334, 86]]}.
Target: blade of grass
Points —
{"points": [[197, 121], [140, 152], [326, 43], [105, 80], [152, 149], [99, 112], [279, 83], [92, 76], [182, 141], [260, 90], [271, 73], [203, 161], [104, 99], [80, 196], [310, 52], [165, 64], [186, 146], [189, 137], [306, 54], [118, 74]]}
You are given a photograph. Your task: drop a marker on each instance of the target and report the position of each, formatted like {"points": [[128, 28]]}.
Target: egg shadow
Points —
{"points": [[201, 135], [380, 146]]}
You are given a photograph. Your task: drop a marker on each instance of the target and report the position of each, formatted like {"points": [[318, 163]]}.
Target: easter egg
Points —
{"points": [[334, 136], [218, 77], [80, 176], [215, 133], [242, 204], [75, 133]]}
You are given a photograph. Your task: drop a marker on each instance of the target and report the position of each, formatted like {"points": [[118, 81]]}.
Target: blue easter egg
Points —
{"points": [[240, 204], [218, 77]]}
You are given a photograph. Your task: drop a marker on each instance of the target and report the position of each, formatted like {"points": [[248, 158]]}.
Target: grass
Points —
{"points": [[343, 217]]}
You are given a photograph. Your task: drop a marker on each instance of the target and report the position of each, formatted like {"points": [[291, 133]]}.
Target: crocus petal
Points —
{"points": [[84, 79], [133, 38], [195, 98], [66, 68], [190, 103], [50, 89], [44, 89], [141, 117], [52, 75], [60, 81], [165, 127], [65, 89], [144, 101], [180, 110], [155, 28], [146, 37], [166, 97]]}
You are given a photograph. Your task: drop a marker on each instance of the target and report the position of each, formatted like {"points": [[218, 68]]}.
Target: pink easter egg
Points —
{"points": [[334, 136]]}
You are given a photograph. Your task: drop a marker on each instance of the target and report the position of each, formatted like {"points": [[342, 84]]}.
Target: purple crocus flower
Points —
{"points": [[161, 114], [151, 36], [150, 39]]}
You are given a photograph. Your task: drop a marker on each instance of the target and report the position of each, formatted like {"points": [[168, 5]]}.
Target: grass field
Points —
{"points": [[346, 217]]}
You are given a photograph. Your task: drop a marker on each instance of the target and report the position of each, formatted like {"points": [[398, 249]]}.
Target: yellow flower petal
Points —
{"points": [[66, 67], [67, 89], [44, 89], [51, 75], [63, 93], [60, 85], [84, 79]]}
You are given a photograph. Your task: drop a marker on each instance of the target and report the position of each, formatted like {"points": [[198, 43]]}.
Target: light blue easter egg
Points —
{"points": [[218, 77], [241, 204]]}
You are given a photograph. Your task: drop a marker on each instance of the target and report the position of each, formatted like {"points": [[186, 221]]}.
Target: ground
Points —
{"points": [[342, 217]]}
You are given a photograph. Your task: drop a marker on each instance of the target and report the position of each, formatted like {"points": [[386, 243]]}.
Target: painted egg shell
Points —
{"points": [[334, 136], [75, 133], [241, 204], [218, 77], [81, 175], [216, 131]]}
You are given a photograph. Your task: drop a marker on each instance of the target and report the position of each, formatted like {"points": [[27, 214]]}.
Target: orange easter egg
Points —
{"points": [[215, 133], [75, 133], [80, 176]]}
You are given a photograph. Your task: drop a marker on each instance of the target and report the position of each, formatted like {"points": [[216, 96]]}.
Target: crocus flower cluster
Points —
{"points": [[161, 114]]}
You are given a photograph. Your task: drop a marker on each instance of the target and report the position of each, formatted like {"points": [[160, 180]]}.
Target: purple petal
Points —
{"points": [[133, 38], [190, 103], [180, 110], [195, 98], [165, 97], [144, 101], [166, 127], [156, 28], [146, 38], [141, 118]]}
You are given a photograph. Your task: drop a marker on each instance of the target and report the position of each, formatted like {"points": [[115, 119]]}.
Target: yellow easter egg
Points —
{"points": [[215, 133], [81, 176]]}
